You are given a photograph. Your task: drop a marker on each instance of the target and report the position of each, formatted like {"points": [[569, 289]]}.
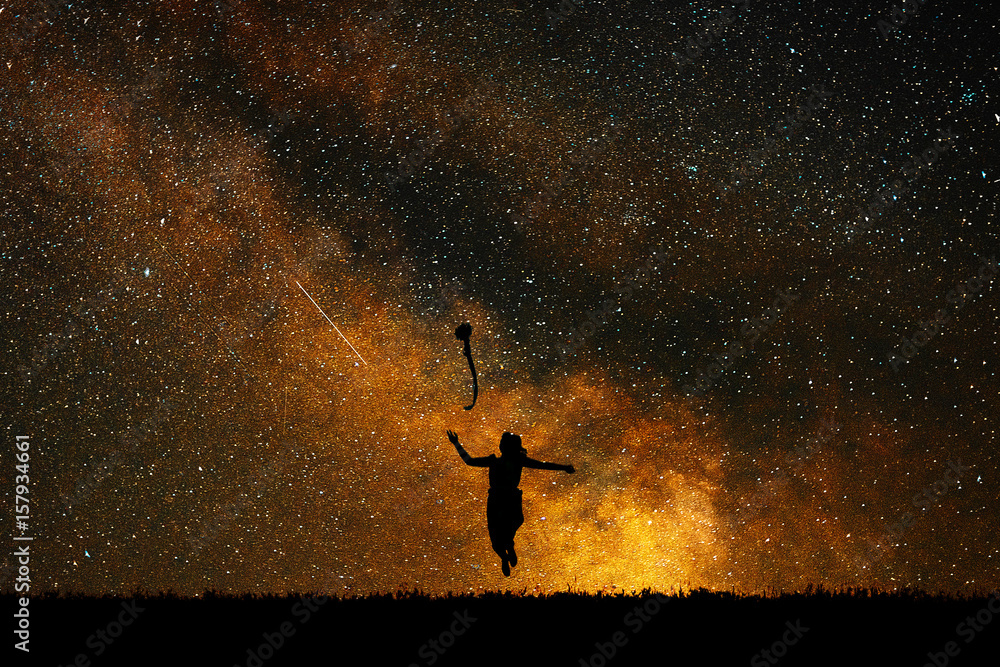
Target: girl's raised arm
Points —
{"points": [[481, 462]]}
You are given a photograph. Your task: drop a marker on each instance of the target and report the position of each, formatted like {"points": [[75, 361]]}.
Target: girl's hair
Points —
{"points": [[512, 443]]}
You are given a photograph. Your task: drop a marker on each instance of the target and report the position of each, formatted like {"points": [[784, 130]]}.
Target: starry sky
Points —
{"points": [[238, 238]]}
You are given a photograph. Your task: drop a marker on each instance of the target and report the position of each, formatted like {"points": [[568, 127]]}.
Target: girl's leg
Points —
{"points": [[499, 537], [502, 552], [516, 519]]}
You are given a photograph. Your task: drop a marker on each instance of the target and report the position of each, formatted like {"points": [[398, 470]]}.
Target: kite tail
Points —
{"points": [[475, 380]]}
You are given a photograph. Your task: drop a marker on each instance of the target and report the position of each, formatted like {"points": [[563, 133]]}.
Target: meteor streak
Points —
{"points": [[329, 320]]}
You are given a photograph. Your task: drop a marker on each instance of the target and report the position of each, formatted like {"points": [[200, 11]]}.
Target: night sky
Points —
{"points": [[755, 365]]}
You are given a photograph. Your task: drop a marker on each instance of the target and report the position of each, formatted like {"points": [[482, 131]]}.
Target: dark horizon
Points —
{"points": [[818, 628]]}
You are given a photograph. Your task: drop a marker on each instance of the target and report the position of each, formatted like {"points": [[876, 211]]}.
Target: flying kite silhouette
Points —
{"points": [[464, 333]]}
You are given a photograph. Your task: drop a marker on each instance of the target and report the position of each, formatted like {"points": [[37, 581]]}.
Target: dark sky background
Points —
{"points": [[176, 177]]}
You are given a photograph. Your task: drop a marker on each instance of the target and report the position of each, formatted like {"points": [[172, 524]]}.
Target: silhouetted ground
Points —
{"points": [[850, 627]]}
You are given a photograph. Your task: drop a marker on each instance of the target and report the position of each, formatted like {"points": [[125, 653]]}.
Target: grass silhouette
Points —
{"points": [[407, 627]]}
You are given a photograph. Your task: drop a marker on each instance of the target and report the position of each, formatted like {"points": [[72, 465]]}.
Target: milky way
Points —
{"points": [[735, 264]]}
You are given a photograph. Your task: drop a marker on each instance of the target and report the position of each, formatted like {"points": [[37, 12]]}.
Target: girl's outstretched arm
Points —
{"points": [[541, 465], [481, 462]]}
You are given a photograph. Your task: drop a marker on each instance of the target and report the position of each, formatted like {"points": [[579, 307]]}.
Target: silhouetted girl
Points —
{"points": [[504, 512]]}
